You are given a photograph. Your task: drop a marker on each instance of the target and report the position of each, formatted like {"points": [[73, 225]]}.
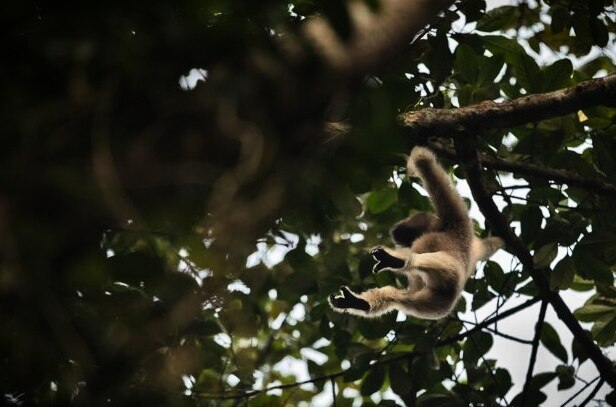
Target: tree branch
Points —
{"points": [[533, 352], [577, 393], [499, 333], [595, 184], [489, 114], [487, 322], [468, 158], [592, 394]]}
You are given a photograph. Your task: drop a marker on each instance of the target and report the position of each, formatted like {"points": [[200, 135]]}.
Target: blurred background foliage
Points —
{"points": [[172, 244]]}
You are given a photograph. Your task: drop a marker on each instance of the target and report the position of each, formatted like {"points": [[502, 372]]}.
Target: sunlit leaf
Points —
{"points": [[380, 201]]}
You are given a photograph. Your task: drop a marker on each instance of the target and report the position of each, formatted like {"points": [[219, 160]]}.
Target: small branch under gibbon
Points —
{"points": [[532, 108], [595, 185]]}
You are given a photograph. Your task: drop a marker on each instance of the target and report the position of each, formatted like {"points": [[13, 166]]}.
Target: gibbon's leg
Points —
{"points": [[449, 205], [406, 231]]}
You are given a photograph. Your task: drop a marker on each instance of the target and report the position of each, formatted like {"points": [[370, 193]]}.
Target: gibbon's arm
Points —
{"points": [[439, 253], [435, 280]]}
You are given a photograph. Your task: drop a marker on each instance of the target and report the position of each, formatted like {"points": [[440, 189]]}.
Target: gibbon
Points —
{"points": [[437, 253]]}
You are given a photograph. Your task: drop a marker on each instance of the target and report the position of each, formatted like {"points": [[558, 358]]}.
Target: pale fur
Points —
{"points": [[439, 255]]}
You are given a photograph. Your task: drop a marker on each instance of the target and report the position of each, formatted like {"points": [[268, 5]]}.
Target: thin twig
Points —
{"points": [[501, 334], [577, 393], [533, 352], [596, 184], [592, 394], [487, 322]]}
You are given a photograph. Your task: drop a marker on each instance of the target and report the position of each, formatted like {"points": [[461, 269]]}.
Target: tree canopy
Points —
{"points": [[183, 184]]}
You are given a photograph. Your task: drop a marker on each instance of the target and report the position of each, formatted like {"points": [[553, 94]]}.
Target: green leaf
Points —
{"points": [[561, 277], [599, 32], [610, 398], [208, 381], [604, 329], [500, 384], [551, 340], [591, 312], [360, 362], [377, 328], [589, 266], [560, 16], [530, 221], [580, 284], [583, 35], [566, 377], [381, 200], [466, 64], [481, 294], [438, 400], [577, 351], [399, 379], [346, 202], [528, 73], [508, 48], [489, 68], [473, 9], [476, 346], [539, 380], [502, 283], [373, 381], [543, 257], [557, 75], [499, 18], [531, 398]]}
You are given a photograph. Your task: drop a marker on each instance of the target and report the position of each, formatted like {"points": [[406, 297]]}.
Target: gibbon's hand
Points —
{"points": [[385, 260], [347, 299]]}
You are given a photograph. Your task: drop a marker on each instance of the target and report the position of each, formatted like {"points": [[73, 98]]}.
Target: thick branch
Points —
{"points": [[376, 35], [596, 185], [489, 114], [470, 163]]}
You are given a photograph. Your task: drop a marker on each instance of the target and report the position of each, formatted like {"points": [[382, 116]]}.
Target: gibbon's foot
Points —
{"points": [[346, 299], [385, 260]]}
